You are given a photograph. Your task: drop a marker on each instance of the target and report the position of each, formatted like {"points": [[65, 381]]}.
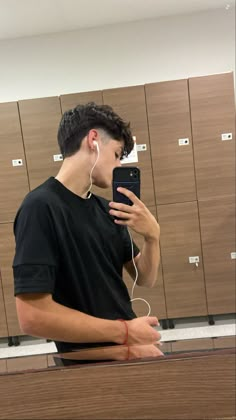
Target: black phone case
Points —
{"points": [[126, 177]]}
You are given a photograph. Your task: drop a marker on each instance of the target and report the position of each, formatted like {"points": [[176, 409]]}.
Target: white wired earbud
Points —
{"points": [[136, 278], [96, 144], [90, 175]]}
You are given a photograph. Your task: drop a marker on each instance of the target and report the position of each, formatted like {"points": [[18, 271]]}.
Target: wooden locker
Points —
{"points": [[72, 100], [27, 363], [195, 344], [3, 321], [13, 179], [3, 366], [7, 249], [129, 103], [224, 342], [171, 143], [217, 221], [154, 296], [213, 114], [180, 239], [40, 120]]}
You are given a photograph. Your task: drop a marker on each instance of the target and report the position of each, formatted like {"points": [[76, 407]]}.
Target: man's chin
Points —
{"points": [[102, 184]]}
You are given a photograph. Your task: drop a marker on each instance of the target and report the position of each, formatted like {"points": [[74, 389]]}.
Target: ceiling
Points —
{"points": [[25, 18]]}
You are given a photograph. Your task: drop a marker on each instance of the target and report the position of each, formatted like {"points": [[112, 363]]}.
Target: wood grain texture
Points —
{"points": [[129, 103], [13, 179], [217, 221], [169, 120], [28, 362], [7, 249], [213, 113], [180, 238], [3, 320], [188, 388], [50, 360], [224, 342], [70, 101], [40, 120], [155, 295], [195, 344], [3, 366]]}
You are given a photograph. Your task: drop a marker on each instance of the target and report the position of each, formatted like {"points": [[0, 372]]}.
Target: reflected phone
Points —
{"points": [[126, 177]]}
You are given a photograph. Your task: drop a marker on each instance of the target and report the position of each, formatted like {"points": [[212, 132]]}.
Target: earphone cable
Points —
{"points": [[136, 277], [90, 175]]}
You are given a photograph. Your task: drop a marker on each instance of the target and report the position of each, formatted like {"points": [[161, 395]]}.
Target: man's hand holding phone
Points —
{"points": [[137, 216]]}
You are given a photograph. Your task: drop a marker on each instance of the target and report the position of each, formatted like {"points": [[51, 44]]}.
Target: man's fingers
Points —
{"points": [[119, 214], [152, 320], [129, 194], [120, 206]]}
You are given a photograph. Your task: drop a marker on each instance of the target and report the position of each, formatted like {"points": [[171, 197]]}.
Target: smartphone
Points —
{"points": [[126, 177]]}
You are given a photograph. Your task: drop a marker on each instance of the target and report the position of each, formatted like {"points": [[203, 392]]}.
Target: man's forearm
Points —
{"points": [[148, 263], [56, 322]]}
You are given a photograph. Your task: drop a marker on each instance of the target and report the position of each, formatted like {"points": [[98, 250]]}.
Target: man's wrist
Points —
{"points": [[152, 239], [121, 332]]}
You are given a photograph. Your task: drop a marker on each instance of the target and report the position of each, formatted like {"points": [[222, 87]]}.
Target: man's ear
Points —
{"points": [[92, 139]]}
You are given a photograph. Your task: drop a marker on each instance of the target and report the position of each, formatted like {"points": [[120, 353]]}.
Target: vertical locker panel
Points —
{"points": [[217, 220], [129, 103], [7, 248], [3, 366], [72, 100], [154, 296], [171, 142], [40, 120], [180, 239], [27, 362], [213, 114], [13, 179], [3, 321]]}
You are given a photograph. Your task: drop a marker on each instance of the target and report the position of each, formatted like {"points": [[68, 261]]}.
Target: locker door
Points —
{"points": [[27, 362], [72, 100], [40, 120], [217, 221], [154, 296], [13, 179], [213, 114], [129, 103], [3, 321], [180, 239], [7, 248], [171, 142]]}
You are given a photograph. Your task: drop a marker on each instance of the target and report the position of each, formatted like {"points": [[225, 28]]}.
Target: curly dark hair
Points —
{"points": [[76, 123]]}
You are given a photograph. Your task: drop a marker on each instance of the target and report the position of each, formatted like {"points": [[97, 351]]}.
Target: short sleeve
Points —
{"points": [[128, 246], [36, 254]]}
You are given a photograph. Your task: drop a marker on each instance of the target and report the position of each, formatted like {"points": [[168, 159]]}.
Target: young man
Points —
{"points": [[71, 245]]}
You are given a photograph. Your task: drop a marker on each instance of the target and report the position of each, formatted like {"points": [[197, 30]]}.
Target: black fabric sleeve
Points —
{"points": [[128, 246], [36, 255], [34, 279]]}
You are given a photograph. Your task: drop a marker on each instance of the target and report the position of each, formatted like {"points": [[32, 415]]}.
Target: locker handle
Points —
{"points": [[194, 260]]}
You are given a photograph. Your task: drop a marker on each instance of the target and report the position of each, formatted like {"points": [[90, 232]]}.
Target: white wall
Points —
{"points": [[118, 55]]}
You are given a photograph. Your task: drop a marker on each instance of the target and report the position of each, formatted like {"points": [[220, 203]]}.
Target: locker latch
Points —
{"points": [[194, 260]]}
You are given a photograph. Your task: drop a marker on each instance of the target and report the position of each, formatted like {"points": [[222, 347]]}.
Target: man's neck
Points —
{"points": [[75, 176]]}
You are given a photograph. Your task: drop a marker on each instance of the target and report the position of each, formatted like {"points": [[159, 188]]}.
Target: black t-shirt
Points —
{"points": [[71, 248]]}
